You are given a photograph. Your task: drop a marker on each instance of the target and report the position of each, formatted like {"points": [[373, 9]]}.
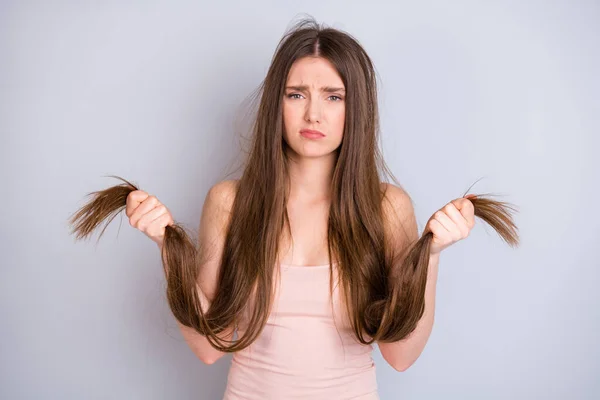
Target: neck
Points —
{"points": [[310, 178]]}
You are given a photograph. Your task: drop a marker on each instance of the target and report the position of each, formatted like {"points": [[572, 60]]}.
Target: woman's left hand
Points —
{"points": [[451, 223]]}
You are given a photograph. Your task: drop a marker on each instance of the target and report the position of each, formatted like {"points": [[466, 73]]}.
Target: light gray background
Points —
{"points": [[156, 92]]}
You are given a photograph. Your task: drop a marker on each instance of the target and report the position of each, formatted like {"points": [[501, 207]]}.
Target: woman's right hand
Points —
{"points": [[148, 215]]}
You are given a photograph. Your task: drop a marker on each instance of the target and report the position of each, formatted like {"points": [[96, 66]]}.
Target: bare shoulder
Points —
{"points": [[222, 194], [216, 211], [398, 216], [395, 199]]}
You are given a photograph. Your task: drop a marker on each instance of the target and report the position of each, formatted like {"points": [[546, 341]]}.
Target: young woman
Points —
{"points": [[309, 258]]}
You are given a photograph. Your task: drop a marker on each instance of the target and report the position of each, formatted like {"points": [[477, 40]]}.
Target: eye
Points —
{"points": [[337, 97], [291, 96]]}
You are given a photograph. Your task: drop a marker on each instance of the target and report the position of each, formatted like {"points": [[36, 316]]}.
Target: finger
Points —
{"points": [[462, 204], [169, 220], [448, 224], [149, 217], [438, 229], [134, 199], [466, 208], [143, 208], [459, 220], [159, 224]]}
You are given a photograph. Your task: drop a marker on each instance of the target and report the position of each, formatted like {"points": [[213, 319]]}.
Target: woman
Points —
{"points": [[309, 256]]}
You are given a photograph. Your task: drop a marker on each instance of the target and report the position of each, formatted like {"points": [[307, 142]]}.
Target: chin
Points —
{"points": [[310, 149], [316, 153]]}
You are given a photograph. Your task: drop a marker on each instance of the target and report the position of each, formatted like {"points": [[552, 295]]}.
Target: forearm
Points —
{"points": [[198, 343], [403, 353]]}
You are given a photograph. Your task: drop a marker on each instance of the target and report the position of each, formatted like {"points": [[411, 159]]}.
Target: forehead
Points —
{"points": [[314, 70]]}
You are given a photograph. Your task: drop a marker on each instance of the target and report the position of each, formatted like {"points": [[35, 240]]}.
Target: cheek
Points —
{"points": [[286, 122], [290, 117], [340, 120]]}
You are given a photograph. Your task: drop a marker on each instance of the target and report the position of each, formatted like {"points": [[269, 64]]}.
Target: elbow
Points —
{"points": [[401, 367], [394, 361], [398, 363], [208, 361]]}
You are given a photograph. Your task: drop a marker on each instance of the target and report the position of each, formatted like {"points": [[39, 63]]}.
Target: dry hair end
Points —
{"points": [[389, 319]]}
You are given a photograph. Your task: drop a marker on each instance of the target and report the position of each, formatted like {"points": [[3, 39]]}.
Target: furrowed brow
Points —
{"points": [[326, 89]]}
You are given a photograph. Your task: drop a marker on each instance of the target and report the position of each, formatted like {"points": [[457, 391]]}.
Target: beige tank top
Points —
{"points": [[306, 349]]}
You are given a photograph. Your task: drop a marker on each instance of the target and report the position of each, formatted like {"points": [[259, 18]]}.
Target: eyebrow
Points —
{"points": [[327, 89]]}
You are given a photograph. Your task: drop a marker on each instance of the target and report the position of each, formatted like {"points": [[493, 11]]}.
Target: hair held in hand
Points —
{"points": [[390, 316], [383, 291]]}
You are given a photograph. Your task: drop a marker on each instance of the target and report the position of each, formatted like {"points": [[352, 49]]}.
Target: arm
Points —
{"points": [[402, 354], [401, 231], [211, 235]]}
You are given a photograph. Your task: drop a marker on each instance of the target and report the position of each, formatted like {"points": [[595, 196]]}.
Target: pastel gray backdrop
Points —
{"points": [[156, 92]]}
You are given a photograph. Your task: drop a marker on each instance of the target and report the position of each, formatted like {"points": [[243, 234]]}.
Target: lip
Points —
{"points": [[311, 134]]}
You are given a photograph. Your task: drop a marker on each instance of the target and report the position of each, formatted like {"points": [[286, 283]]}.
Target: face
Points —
{"points": [[314, 99]]}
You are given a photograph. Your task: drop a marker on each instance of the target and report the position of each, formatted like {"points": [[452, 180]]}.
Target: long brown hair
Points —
{"points": [[383, 293]]}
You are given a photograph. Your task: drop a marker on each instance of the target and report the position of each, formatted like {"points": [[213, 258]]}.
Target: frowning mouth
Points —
{"points": [[311, 134]]}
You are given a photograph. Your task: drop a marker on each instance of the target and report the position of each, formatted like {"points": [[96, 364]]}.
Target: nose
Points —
{"points": [[313, 111]]}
